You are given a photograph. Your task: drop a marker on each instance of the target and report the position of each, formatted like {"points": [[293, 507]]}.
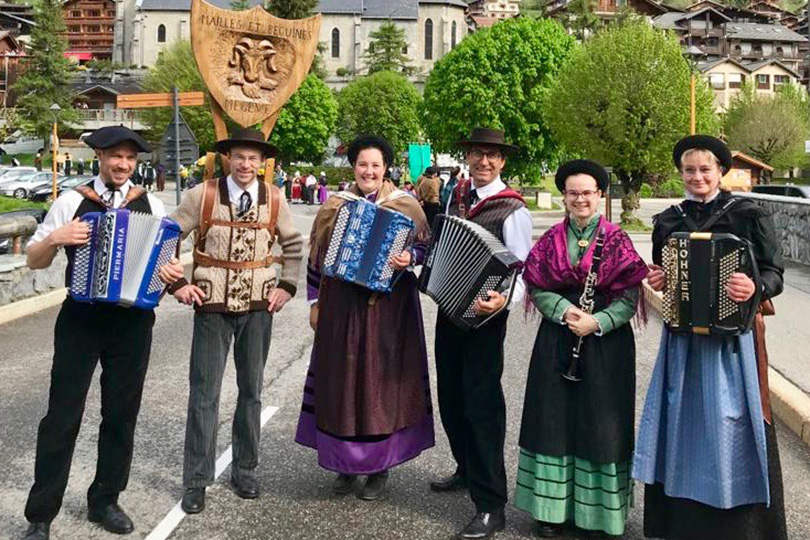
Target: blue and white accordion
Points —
{"points": [[365, 236], [120, 263]]}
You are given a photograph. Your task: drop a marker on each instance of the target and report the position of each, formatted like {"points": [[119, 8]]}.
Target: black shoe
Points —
{"points": [[246, 488], [193, 500], [456, 482], [374, 487], [548, 530], [483, 525], [112, 518], [344, 484], [38, 531]]}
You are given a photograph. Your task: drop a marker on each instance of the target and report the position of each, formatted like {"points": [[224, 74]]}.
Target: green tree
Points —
{"points": [[384, 104], [499, 78], [46, 74], [623, 99], [176, 66], [291, 9], [240, 5], [306, 122], [582, 17], [770, 128], [385, 48]]}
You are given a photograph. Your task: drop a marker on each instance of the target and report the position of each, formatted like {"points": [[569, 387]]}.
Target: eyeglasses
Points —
{"points": [[491, 155], [253, 160], [586, 194]]}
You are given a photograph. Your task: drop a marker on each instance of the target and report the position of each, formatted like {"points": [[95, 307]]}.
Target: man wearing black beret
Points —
{"points": [[118, 337]]}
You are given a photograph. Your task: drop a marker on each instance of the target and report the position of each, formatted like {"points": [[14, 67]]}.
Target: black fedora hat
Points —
{"points": [[247, 137], [488, 137], [703, 142], [582, 166]]}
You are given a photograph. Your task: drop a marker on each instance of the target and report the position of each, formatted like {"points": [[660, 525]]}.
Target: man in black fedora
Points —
{"points": [[235, 291], [85, 335], [469, 363]]}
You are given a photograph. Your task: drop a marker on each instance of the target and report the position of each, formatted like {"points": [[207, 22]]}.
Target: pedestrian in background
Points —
{"points": [[428, 192], [80, 167]]}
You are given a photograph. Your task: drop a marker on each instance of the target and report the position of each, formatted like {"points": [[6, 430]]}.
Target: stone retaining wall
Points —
{"points": [[791, 216], [18, 282]]}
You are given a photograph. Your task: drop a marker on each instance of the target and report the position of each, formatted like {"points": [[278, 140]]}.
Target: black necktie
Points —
{"points": [[473, 196], [244, 202], [109, 197]]}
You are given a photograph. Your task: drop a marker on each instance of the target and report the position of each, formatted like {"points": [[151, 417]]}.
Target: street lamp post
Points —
{"points": [[55, 108]]}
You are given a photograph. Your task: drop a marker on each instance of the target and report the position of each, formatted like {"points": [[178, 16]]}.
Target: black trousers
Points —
{"points": [[431, 211], [120, 338], [469, 365]]}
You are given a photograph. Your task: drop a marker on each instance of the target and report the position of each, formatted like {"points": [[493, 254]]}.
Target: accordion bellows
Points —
{"points": [[463, 263], [120, 263], [698, 267], [364, 238]]}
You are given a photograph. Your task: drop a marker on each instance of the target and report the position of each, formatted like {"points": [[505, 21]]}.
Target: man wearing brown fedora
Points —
{"points": [[474, 412], [235, 292]]}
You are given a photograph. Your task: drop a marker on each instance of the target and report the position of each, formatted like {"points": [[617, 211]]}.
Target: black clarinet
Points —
{"points": [[574, 371]]}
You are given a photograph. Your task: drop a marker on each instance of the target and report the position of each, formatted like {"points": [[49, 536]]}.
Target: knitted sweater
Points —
{"points": [[240, 290]]}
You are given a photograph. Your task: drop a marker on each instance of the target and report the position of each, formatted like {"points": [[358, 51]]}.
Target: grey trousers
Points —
{"points": [[209, 352]]}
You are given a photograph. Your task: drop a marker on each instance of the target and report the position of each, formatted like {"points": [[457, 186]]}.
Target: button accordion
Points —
{"points": [[120, 263], [464, 262], [364, 238], [697, 267]]}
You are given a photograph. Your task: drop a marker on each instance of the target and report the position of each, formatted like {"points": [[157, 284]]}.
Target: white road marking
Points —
{"points": [[166, 527]]}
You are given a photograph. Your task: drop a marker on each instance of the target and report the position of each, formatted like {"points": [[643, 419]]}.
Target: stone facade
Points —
{"points": [[791, 217]]}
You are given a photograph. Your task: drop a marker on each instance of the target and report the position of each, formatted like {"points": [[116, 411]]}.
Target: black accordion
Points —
{"points": [[698, 266], [464, 262]]}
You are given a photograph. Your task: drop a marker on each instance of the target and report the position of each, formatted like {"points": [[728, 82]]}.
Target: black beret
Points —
{"points": [[110, 136], [703, 142], [582, 166], [363, 142]]}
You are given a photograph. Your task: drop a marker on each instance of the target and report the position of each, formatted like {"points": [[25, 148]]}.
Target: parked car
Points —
{"points": [[9, 174], [785, 190], [20, 187], [19, 143], [37, 213], [44, 193]]}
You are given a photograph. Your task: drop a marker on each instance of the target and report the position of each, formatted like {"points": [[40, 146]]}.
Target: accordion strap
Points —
{"points": [[711, 221], [135, 192]]}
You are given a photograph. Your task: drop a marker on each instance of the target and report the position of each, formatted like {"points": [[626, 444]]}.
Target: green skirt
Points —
{"points": [[592, 496]]}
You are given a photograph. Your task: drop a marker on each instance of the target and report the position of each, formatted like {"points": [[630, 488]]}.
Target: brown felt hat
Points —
{"points": [[247, 137], [488, 137]]}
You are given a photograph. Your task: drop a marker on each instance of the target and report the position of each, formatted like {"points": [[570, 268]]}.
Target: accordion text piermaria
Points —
{"points": [[120, 263], [698, 267], [364, 238], [463, 263]]}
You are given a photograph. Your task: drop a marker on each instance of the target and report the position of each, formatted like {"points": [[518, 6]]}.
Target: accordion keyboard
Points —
{"points": [[729, 263]]}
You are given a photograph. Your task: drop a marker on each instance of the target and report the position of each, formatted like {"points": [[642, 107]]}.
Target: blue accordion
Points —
{"points": [[120, 263], [365, 236]]}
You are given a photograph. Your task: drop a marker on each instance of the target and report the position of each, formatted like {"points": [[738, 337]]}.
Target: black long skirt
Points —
{"points": [[684, 519], [592, 419]]}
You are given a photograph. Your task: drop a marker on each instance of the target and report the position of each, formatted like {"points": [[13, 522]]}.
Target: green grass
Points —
{"points": [[9, 203], [531, 204], [636, 228], [797, 181]]}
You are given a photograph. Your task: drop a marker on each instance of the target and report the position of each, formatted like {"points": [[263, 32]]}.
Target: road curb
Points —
{"points": [[789, 402], [29, 306]]}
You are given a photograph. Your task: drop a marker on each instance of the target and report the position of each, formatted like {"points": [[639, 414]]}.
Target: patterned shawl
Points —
{"points": [[548, 266]]}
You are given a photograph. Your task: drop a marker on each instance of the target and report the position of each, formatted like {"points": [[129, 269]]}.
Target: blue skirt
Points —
{"points": [[702, 433]]}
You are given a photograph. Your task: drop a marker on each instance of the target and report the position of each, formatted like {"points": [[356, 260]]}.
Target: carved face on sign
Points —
{"points": [[251, 61]]}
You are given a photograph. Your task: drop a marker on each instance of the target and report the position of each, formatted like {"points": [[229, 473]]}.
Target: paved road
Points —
{"points": [[297, 503]]}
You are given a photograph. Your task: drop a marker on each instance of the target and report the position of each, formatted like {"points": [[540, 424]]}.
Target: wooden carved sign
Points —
{"points": [[251, 61]]}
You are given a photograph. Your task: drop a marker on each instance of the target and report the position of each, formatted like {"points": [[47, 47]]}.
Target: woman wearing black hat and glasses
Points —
{"points": [[706, 447], [576, 437]]}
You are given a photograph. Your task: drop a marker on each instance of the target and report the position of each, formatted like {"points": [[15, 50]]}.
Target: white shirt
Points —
{"points": [[311, 180], [517, 232], [235, 191], [64, 208]]}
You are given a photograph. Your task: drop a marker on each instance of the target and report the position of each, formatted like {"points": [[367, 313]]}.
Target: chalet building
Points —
{"points": [[11, 52], [17, 20], [609, 9], [494, 9], [733, 13], [90, 29], [727, 76]]}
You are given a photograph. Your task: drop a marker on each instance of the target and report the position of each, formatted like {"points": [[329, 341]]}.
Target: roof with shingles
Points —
{"points": [[761, 32]]}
